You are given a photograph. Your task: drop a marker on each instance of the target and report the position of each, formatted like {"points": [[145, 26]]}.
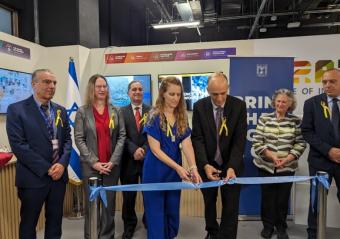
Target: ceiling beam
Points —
{"points": [[257, 18], [163, 10], [290, 13]]}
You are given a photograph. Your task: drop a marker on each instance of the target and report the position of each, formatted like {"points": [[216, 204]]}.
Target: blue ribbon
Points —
{"points": [[101, 191], [324, 181]]}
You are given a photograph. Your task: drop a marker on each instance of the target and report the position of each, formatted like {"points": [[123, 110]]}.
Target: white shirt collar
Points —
{"points": [[215, 106], [134, 106]]}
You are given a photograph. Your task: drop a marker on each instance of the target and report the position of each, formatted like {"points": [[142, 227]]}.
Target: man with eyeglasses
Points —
{"points": [[39, 134], [134, 152]]}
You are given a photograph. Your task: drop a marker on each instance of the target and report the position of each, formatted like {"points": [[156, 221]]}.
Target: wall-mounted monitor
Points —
{"points": [[194, 86], [119, 88], [14, 86]]}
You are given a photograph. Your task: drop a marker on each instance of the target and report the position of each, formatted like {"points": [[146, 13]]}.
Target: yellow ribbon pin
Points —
{"points": [[143, 119], [326, 110], [58, 119], [112, 121], [169, 131], [224, 126]]}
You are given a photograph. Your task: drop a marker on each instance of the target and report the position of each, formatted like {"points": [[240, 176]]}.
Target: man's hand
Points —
{"points": [[56, 171], [139, 154], [212, 173], [334, 154], [230, 174]]}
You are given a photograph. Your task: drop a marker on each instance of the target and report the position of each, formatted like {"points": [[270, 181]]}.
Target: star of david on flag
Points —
{"points": [[73, 101]]}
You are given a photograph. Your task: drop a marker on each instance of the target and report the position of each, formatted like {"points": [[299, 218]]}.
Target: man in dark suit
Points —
{"points": [[134, 152], [219, 128], [320, 128], [39, 135]]}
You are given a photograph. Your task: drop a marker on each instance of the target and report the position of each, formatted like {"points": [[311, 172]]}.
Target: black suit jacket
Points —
{"points": [[318, 131], [204, 133], [29, 140], [134, 140]]}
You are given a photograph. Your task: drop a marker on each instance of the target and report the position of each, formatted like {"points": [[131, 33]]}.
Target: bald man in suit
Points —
{"points": [[219, 152]]}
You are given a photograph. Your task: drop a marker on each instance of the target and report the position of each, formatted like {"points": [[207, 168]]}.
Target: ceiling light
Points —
{"points": [[176, 24], [293, 24], [263, 29], [273, 18]]}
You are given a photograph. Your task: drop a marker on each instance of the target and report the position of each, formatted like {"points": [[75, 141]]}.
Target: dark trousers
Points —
{"points": [[106, 223], [32, 200], [129, 200], [275, 201], [333, 173], [230, 195]]}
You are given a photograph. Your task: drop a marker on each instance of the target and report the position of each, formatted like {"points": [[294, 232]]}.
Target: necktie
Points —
{"points": [[49, 124], [335, 118], [48, 120], [137, 118], [218, 117]]}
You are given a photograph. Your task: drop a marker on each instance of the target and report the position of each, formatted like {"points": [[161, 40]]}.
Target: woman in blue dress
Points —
{"points": [[167, 127]]}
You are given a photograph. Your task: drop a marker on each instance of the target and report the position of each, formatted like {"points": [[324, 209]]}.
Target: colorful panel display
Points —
{"points": [[194, 86], [119, 87], [14, 86]]}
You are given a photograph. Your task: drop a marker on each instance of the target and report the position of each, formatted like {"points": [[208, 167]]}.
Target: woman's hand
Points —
{"points": [[270, 155], [102, 168], [183, 173], [195, 176], [283, 161]]}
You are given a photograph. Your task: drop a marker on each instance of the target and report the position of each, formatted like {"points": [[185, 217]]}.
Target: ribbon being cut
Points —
{"points": [[100, 191]]}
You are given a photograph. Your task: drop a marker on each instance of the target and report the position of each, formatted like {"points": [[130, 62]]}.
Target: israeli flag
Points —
{"points": [[73, 101]]}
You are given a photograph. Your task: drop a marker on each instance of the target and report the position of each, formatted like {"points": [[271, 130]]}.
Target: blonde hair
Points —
{"points": [[180, 111], [89, 98]]}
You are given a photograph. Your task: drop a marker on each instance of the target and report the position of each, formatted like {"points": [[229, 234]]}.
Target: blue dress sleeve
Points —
{"points": [[153, 129], [186, 134]]}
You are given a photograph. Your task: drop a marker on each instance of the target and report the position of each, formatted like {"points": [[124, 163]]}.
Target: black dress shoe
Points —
{"points": [[267, 232], [128, 234], [210, 236], [282, 234]]}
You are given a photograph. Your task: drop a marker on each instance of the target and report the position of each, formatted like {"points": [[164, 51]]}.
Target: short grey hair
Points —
{"points": [[36, 72], [287, 93], [332, 69]]}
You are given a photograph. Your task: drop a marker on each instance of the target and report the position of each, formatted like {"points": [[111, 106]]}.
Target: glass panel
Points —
{"points": [[5, 21]]}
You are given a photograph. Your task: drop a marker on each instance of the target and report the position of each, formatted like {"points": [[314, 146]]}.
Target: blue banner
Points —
{"points": [[254, 80]]}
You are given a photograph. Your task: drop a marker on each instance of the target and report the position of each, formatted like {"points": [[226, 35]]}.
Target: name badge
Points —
{"points": [[55, 144], [173, 138]]}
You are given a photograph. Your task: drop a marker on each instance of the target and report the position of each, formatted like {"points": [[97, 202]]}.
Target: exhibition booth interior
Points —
{"points": [[307, 57]]}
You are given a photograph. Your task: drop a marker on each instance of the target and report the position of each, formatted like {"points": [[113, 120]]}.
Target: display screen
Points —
{"points": [[14, 86], [194, 86], [119, 88]]}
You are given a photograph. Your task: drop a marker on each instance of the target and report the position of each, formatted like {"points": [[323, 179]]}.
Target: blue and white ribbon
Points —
{"points": [[96, 191]]}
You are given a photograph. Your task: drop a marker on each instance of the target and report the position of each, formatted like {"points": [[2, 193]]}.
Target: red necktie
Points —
{"points": [[137, 118]]}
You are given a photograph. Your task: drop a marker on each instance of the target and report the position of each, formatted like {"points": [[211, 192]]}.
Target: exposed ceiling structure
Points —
{"points": [[246, 19]]}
